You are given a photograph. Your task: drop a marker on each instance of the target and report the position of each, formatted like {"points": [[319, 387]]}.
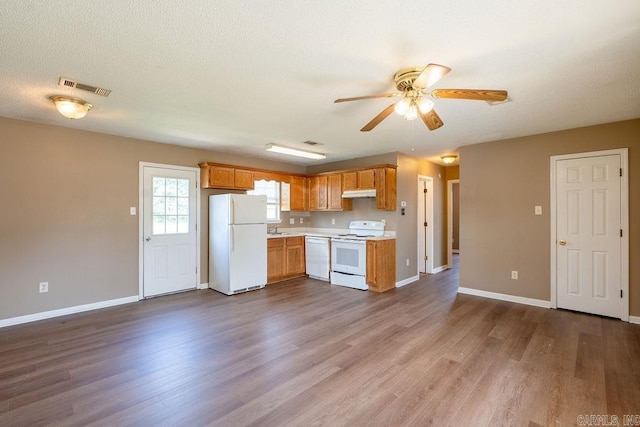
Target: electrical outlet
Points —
{"points": [[384, 221], [301, 220], [44, 287], [538, 210], [333, 221], [514, 275], [292, 221], [132, 210], [407, 262]]}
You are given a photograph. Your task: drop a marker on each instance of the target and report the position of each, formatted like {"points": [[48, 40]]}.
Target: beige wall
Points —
{"points": [[65, 216], [502, 181], [65, 213]]}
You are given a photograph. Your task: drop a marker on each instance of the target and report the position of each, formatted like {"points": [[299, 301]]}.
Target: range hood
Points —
{"points": [[352, 194]]}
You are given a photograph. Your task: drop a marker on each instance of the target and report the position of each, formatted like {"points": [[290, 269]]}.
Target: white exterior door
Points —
{"points": [[588, 235], [169, 219]]}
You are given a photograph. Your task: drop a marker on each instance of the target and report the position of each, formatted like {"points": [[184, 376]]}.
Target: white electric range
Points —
{"points": [[349, 254]]}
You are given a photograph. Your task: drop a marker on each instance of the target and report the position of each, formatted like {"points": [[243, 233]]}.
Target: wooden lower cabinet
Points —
{"points": [[285, 258], [381, 265]]}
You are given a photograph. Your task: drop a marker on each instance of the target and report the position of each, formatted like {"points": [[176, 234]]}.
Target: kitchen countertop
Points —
{"points": [[325, 233]]}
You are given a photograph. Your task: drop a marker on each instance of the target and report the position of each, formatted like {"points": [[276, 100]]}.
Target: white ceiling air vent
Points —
{"points": [[82, 86]]}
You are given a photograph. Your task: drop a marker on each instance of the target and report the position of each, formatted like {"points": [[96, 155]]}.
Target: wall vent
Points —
{"points": [[312, 143], [76, 85]]}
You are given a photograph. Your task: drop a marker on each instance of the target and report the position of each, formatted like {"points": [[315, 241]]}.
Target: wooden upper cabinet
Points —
{"points": [[228, 177], [318, 193], [359, 180], [299, 190], [350, 180], [386, 192], [243, 179], [334, 192]]}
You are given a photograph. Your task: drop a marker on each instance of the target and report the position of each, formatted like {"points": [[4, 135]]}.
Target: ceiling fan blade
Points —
{"points": [[475, 94], [431, 119], [377, 119], [431, 74], [358, 98]]}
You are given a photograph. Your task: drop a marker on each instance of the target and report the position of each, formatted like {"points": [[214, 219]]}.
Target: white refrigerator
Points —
{"points": [[237, 243]]}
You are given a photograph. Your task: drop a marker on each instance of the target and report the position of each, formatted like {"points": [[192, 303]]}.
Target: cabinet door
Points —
{"points": [[221, 177], [243, 179], [350, 181], [276, 267], [371, 264], [318, 193], [298, 193], [386, 189], [366, 179], [295, 256], [334, 191]]}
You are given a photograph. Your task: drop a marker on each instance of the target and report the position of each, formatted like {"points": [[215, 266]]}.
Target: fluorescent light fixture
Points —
{"points": [[72, 108], [449, 158], [295, 152]]}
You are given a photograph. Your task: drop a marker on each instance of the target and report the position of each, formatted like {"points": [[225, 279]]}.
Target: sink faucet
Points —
{"points": [[273, 229]]}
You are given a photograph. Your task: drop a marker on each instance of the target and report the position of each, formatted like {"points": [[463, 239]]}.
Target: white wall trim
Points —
{"points": [[203, 286], [141, 167], [634, 319], [624, 221], [450, 250], [505, 297], [66, 311], [406, 281], [440, 269]]}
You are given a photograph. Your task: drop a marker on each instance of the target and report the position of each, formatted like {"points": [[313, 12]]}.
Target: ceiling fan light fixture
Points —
{"points": [[295, 152], [449, 158], [402, 106], [72, 108], [425, 105], [412, 112]]}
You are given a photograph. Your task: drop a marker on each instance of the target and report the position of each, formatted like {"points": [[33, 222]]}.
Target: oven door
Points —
{"points": [[349, 256]]}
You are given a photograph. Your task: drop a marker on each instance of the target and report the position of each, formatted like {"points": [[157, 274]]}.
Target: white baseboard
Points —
{"points": [[407, 281], [203, 286], [439, 269], [65, 311], [505, 297], [634, 319]]}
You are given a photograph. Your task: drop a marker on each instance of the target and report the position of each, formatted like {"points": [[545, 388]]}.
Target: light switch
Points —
{"points": [[132, 210], [538, 210]]}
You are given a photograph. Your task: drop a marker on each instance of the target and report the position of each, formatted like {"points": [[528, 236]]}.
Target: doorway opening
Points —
{"points": [[453, 222]]}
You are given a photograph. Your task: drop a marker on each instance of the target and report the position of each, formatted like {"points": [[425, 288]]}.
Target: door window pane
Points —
{"points": [[170, 205]]}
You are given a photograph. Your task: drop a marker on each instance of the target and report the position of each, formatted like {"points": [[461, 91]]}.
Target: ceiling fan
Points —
{"points": [[412, 84]]}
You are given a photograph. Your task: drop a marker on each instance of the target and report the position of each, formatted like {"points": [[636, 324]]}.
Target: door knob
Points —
{"points": [[148, 239], [562, 242]]}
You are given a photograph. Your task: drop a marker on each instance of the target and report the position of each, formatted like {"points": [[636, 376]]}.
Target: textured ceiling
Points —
{"points": [[235, 76]]}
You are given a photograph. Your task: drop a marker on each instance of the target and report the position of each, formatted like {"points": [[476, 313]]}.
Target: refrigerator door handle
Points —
{"points": [[233, 211], [233, 237]]}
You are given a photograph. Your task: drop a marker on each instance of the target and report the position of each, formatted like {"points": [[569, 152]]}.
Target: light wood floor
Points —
{"points": [[305, 353]]}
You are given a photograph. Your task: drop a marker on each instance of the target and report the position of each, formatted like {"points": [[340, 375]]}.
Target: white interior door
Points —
{"points": [[588, 235], [169, 215], [425, 226]]}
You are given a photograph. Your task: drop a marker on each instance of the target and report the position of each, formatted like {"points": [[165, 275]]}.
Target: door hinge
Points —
{"points": [[621, 232], [620, 293], [620, 171], [426, 257], [424, 190], [426, 224]]}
